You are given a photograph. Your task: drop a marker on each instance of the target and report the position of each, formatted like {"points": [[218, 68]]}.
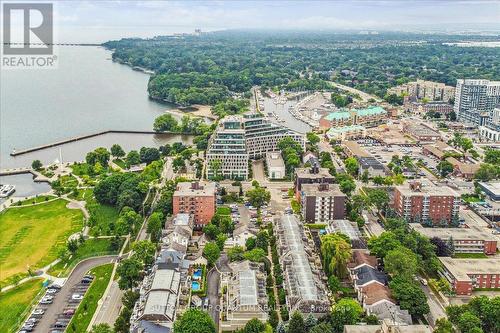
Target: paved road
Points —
{"points": [[112, 304], [258, 171], [61, 299], [437, 310]]}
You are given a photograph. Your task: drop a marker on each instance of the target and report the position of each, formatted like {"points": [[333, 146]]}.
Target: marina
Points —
{"points": [[6, 190]]}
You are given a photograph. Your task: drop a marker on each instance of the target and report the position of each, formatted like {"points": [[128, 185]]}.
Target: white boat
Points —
{"points": [[6, 190]]}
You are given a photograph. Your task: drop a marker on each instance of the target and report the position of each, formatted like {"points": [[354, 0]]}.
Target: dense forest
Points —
{"points": [[213, 67]]}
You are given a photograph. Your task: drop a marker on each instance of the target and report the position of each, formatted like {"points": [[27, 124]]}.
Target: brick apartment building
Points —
{"points": [[312, 175], [427, 204], [465, 275], [465, 240], [322, 202], [197, 199]]}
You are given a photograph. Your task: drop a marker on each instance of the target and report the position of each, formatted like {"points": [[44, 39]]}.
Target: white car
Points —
{"points": [[51, 291], [38, 312], [77, 297]]}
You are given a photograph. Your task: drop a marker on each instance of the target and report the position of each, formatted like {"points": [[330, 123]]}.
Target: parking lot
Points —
{"points": [[56, 308]]}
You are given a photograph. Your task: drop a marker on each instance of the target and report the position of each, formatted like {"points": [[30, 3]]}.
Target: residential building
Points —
{"points": [[464, 170], [322, 202], [426, 203], [491, 189], [365, 276], [309, 157], [361, 258], [421, 132], [196, 199], [491, 130], [346, 132], [348, 228], [179, 232], [367, 117], [443, 108], [388, 326], [465, 240], [371, 165], [465, 275], [420, 89], [312, 175], [275, 165], [302, 273], [239, 138], [475, 100], [227, 154], [245, 296], [261, 135]]}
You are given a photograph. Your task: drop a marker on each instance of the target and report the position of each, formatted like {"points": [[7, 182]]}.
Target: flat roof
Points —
{"points": [[344, 129], [248, 287], [461, 268], [274, 159], [330, 190], [493, 187], [205, 189], [181, 219], [338, 115], [345, 227], [421, 130], [455, 233], [427, 188], [306, 173], [356, 149]]}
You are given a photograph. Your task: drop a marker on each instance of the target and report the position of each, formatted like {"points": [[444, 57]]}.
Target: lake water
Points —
{"points": [[87, 93]]}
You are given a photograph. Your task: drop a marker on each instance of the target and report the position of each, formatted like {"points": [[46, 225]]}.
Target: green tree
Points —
{"points": [[469, 323], [117, 151], [129, 272], [165, 123], [154, 227], [258, 196], [133, 158], [235, 253], [261, 240], [409, 296], [101, 328], [443, 325], [379, 198], [144, 251], [336, 253], [194, 321], [254, 326], [381, 245], [351, 166], [346, 312], [221, 240], [36, 165], [445, 168], [313, 138], [211, 252], [487, 172], [296, 324], [401, 262]]}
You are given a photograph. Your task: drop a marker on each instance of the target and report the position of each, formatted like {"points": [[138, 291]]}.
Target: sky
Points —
{"points": [[98, 21]]}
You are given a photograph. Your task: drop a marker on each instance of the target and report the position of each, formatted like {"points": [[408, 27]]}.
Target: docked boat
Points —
{"points": [[6, 190]]}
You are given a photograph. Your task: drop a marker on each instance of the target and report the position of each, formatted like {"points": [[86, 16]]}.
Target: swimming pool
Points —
{"points": [[195, 285], [197, 274]]}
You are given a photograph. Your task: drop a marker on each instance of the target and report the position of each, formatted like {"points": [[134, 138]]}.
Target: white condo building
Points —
{"points": [[475, 101], [238, 139]]}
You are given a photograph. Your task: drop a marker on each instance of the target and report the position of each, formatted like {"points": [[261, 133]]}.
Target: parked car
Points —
{"points": [[77, 297], [48, 297], [38, 312], [69, 312], [52, 291], [45, 301], [86, 281], [423, 281], [60, 325]]}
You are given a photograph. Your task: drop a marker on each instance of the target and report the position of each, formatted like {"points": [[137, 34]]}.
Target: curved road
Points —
{"points": [[62, 297]]}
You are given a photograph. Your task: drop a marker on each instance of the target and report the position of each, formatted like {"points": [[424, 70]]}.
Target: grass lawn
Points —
{"points": [[14, 303], [91, 248], [121, 163], [87, 307], [470, 255], [39, 199], [32, 236], [68, 181], [223, 210]]}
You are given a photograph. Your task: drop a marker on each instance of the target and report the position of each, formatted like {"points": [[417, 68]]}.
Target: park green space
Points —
{"points": [[87, 307], [31, 237], [35, 200], [14, 304], [92, 247]]}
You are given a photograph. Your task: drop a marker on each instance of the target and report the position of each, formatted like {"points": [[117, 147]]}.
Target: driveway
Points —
{"points": [[61, 300], [258, 171], [437, 310]]}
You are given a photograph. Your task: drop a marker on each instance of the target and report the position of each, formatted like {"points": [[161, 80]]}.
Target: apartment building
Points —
{"points": [[426, 203], [491, 130], [433, 91], [475, 100], [367, 117], [240, 138], [465, 240], [322, 202], [245, 296], [227, 155], [440, 107], [196, 199], [303, 277], [465, 275], [312, 175], [346, 132]]}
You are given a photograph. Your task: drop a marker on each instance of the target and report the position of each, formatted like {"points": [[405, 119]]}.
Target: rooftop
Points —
{"points": [[181, 219], [360, 257], [348, 228], [338, 115], [419, 129], [461, 268], [274, 160], [492, 187], [375, 292], [370, 111], [200, 189], [307, 173], [464, 168], [367, 274], [424, 188], [455, 233], [343, 129], [322, 190], [370, 162]]}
